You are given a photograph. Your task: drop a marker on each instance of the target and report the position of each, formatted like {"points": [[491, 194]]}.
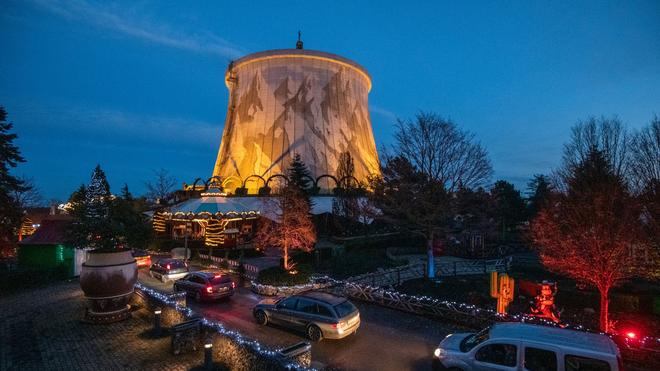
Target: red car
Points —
{"points": [[142, 258]]}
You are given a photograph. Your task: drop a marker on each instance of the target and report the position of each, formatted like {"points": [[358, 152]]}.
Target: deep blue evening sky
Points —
{"points": [[137, 86]]}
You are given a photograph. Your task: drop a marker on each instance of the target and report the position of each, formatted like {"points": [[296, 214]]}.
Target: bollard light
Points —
{"points": [[208, 354], [157, 329]]}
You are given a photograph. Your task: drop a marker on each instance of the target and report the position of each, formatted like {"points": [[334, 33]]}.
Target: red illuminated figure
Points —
{"points": [[544, 303]]}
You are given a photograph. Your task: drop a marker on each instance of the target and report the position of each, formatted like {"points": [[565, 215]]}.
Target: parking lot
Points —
{"points": [[387, 339]]}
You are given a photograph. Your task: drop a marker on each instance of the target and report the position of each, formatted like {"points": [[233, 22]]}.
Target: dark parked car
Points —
{"points": [[319, 315], [206, 285], [168, 269]]}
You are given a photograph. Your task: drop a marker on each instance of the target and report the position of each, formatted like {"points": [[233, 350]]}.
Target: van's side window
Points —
{"points": [[499, 354], [578, 363], [540, 359]]}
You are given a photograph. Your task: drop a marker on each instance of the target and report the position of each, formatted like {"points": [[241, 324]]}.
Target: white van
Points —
{"points": [[521, 346]]}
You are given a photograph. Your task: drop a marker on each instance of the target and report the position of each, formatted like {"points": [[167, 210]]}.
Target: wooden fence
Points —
{"points": [[468, 267], [398, 275], [251, 271], [466, 315]]}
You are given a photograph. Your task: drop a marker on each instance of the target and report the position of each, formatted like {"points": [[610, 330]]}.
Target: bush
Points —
{"points": [[358, 261], [23, 279], [277, 276]]}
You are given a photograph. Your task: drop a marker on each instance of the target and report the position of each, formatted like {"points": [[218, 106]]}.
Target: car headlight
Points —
{"points": [[439, 353]]}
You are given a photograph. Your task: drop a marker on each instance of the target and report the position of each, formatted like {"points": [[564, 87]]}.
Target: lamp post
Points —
{"points": [[208, 354], [157, 329]]}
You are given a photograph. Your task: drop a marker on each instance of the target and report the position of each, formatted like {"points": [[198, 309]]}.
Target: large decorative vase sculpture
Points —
{"points": [[108, 279]]}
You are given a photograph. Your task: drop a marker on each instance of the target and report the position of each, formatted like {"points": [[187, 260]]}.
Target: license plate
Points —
{"points": [[224, 289]]}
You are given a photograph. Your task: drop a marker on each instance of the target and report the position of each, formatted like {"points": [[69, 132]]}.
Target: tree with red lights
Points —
{"points": [[292, 227], [591, 232]]}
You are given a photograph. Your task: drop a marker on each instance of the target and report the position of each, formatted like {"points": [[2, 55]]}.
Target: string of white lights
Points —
{"points": [[170, 300]]}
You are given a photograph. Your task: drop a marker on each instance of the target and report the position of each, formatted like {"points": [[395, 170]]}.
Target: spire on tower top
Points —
{"points": [[299, 43]]}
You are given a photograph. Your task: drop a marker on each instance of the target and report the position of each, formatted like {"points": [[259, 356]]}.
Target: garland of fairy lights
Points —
{"points": [[171, 301], [468, 309], [159, 223], [27, 227], [214, 232]]}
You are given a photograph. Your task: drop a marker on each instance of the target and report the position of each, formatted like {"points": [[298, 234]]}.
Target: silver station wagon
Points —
{"points": [[319, 315]]}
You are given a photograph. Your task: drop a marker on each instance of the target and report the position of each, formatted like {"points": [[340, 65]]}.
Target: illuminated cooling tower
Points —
{"points": [[288, 101]]}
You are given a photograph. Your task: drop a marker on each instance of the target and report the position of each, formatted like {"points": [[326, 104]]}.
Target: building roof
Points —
{"points": [[298, 53], [217, 205], [557, 336], [212, 205], [53, 231]]}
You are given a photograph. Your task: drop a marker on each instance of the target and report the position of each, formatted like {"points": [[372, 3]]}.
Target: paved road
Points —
{"points": [[387, 339]]}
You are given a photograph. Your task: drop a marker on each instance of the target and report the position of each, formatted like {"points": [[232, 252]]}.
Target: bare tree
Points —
{"points": [[410, 198], [293, 228], [439, 149], [645, 156], [607, 135], [162, 185], [28, 196]]}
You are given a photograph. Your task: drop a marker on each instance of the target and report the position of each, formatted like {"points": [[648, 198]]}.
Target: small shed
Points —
{"points": [[49, 247]]}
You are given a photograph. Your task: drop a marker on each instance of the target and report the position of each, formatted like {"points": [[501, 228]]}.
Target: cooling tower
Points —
{"points": [[288, 101]]}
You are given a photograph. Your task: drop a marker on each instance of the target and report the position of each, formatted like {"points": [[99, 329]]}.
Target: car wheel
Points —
{"points": [[261, 318], [314, 333], [198, 297]]}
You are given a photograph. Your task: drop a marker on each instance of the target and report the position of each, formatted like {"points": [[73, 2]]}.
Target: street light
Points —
{"points": [[157, 329], [208, 354]]}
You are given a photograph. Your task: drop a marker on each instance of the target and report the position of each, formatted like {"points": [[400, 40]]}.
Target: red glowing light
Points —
{"points": [[233, 285], [209, 289], [168, 267], [631, 335]]}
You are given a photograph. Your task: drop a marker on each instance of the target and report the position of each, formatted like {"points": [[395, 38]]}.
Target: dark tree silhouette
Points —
{"points": [[607, 135], [299, 174], [162, 186], [539, 191], [589, 232], [130, 227], [11, 213], [508, 206], [413, 200]]}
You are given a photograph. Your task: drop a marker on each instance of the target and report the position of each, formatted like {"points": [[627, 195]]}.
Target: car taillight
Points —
{"points": [[209, 289], [168, 267], [233, 285], [334, 325]]}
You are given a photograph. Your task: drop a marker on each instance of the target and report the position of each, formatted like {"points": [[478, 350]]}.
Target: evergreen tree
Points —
{"points": [[130, 227], [539, 191], [509, 206], [299, 174], [78, 209], [94, 227], [11, 214]]}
